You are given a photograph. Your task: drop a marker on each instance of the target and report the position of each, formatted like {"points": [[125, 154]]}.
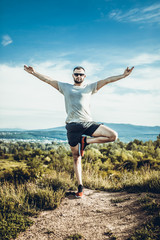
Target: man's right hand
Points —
{"points": [[44, 78], [29, 69]]}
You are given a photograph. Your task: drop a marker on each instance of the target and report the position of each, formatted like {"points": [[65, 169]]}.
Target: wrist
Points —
{"points": [[33, 73]]}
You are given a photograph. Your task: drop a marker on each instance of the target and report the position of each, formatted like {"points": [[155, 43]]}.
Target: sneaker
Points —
{"points": [[79, 194], [82, 146]]}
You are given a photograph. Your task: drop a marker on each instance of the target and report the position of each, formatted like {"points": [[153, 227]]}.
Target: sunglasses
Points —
{"points": [[76, 74]]}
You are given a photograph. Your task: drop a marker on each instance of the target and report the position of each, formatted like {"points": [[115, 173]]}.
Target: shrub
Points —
{"points": [[107, 165], [130, 165], [92, 155], [148, 162], [57, 181], [17, 175], [13, 224], [12, 204], [45, 199]]}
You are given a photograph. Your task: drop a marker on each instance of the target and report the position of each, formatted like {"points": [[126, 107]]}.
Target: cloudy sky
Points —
{"points": [[104, 36]]}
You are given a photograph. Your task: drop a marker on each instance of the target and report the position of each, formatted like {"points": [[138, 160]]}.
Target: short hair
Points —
{"points": [[78, 67]]}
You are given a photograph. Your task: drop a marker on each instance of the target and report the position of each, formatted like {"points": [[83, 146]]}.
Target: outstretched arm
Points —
{"points": [[102, 83], [46, 79]]}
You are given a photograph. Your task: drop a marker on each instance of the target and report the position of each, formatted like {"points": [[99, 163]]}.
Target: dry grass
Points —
{"points": [[141, 180]]}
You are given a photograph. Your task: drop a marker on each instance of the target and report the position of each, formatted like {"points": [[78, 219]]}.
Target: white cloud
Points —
{"points": [[135, 59], [145, 58], [150, 14], [6, 40], [151, 8], [91, 68], [27, 101], [140, 109]]}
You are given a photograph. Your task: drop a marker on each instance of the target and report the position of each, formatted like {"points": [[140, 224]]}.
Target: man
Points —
{"points": [[79, 121]]}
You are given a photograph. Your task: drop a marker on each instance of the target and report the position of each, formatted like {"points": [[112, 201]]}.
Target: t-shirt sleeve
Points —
{"points": [[93, 87], [61, 87]]}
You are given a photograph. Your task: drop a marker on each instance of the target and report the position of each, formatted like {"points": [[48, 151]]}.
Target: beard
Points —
{"points": [[78, 81]]}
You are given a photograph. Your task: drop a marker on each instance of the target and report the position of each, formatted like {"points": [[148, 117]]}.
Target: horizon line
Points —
{"points": [[36, 129]]}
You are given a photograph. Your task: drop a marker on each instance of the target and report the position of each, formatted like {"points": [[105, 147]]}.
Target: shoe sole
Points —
{"points": [[79, 197]]}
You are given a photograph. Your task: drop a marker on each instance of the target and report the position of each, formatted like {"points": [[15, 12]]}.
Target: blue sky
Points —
{"points": [[104, 36]]}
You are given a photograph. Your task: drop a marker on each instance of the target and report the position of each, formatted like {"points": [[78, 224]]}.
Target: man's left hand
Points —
{"points": [[127, 71]]}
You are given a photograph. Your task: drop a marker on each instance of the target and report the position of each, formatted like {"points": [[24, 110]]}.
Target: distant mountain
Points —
{"points": [[126, 132], [136, 128], [12, 129], [129, 132], [62, 128]]}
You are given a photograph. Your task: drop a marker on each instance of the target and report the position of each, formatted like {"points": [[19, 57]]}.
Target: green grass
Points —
{"points": [[18, 203], [151, 205], [13, 224], [138, 181], [151, 229], [10, 164], [119, 200]]}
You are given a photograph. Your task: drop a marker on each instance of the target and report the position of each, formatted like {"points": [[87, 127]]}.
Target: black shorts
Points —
{"points": [[76, 129]]}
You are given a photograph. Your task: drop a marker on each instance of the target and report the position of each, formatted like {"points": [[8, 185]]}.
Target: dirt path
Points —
{"points": [[95, 217]]}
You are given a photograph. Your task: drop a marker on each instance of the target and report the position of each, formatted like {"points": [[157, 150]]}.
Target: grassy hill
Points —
{"points": [[36, 176]]}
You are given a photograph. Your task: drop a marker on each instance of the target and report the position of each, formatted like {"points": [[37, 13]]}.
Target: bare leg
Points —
{"points": [[77, 164], [103, 134]]}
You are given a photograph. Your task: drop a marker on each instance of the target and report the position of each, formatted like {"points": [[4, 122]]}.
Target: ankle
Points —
{"points": [[88, 141], [80, 188]]}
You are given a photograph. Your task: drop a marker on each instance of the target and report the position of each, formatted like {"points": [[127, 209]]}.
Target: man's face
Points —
{"points": [[79, 75]]}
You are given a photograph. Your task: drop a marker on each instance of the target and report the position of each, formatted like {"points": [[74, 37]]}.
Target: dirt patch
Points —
{"points": [[98, 216]]}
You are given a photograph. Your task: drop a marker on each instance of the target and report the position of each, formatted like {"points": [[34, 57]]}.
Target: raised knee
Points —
{"points": [[114, 136]]}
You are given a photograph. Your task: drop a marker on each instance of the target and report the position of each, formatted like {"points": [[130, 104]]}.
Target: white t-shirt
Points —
{"points": [[77, 101]]}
